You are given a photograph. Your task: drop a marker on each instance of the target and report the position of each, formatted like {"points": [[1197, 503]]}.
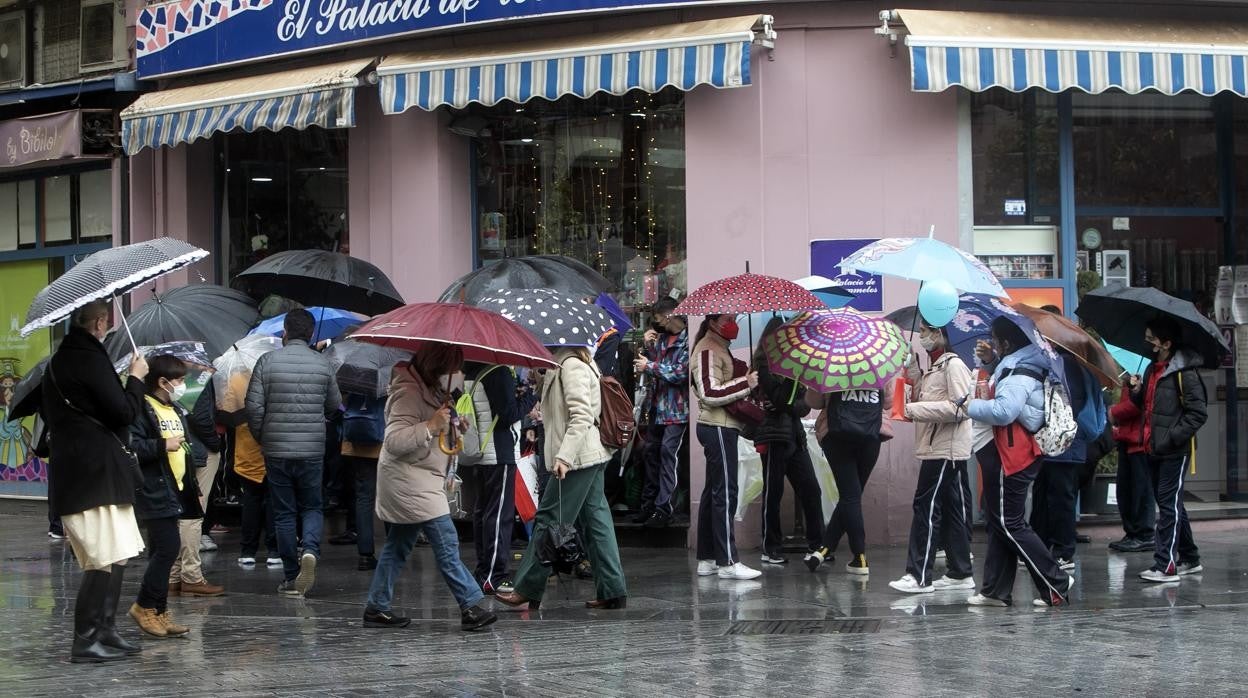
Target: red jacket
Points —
{"points": [[1128, 423]]}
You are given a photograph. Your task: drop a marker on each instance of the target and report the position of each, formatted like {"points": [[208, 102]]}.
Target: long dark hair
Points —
{"points": [[773, 326], [1009, 334], [704, 328]]}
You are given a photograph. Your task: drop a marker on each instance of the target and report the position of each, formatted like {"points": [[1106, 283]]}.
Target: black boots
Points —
{"points": [[95, 611], [109, 636]]}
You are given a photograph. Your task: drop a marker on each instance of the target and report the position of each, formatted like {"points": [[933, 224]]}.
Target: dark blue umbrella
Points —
{"points": [[614, 311]]}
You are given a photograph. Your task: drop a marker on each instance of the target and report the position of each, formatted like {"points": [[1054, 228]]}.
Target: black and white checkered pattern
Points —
{"points": [[105, 274], [557, 320]]}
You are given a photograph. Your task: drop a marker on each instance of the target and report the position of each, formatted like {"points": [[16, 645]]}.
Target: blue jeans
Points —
{"points": [[445, 543], [295, 488]]}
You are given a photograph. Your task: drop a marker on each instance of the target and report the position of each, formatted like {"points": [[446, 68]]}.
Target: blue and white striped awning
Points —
{"points": [[980, 50], [321, 95], [715, 52]]}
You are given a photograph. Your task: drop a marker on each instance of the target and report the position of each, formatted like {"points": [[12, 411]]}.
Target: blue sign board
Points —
{"points": [[826, 257], [190, 35]]}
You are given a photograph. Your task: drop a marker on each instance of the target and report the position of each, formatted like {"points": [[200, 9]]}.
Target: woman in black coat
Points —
{"points": [[158, 438], [781, 440]]}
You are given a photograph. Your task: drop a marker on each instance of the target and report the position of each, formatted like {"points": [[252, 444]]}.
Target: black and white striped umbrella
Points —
{"points": [[106, 274], [556, 319]]}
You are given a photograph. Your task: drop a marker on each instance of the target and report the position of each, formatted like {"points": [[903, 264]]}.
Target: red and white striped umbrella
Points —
{"points": [[748, 293]]}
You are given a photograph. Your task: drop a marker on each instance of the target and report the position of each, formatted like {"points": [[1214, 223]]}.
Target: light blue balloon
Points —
{"points": [[938, 302]]}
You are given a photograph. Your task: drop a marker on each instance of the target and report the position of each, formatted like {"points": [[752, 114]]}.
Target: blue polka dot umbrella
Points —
{"points": [[556, 319]]}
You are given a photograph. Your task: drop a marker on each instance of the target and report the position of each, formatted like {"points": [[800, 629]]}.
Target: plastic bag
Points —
{"points": [[829, 495], [749, 476]]}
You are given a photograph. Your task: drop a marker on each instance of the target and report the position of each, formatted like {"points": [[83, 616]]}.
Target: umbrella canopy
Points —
{"points": [[330, 323], [363, 368], [315, 277], [27, 396], [836, 350], [831, 295], [214, 315], [234, 369], [106, 274], [748, 293], [554, 272], [972, 323], [1131, 362], [925, 259], [485, 337], [613, 309], [190, 353], [826, 290], [1063, 333], [557, 320], [1120, 314]]}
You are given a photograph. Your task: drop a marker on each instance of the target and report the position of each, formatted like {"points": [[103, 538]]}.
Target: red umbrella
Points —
{"points": [[748, 293], [485, 337]]}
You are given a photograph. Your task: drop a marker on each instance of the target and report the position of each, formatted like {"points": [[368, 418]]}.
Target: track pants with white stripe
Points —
{"points": [[939, 506], [1010, 538], [717, 539], [1174, 532], [492, 519]]}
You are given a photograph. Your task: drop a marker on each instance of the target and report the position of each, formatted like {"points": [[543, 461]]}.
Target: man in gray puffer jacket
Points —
{"points": [[292, 390]]}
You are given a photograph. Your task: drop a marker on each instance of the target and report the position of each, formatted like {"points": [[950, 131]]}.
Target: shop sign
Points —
{"points": [[1015, 207], [827, 258], [188, 35], [39, 138]]}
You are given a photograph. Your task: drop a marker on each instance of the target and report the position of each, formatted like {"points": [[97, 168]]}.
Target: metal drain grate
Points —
{"points": [[803, 627]]}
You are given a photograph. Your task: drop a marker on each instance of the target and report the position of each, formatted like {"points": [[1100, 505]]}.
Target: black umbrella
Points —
{"points": [[320, 277], [215, 315], [107, 274], [554, 272], [1120, 314], [363, 368], [556, 319], [26, 394]]}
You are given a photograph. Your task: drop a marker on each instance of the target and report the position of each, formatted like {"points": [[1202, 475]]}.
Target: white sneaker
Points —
{"points": [[207, 544], [273, 562], [1158, 576], [1186, 568], [909, 585], [307, 574], [738, 571], [707, 567], [247, 561], [981, 600], [947, 583]]}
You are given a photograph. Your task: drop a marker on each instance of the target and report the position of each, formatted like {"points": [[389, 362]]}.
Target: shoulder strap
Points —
{"points": [[1021, 371]]}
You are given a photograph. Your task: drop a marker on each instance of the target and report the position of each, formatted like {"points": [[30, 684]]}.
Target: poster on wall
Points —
{"points": [[827, 258], [21, 473]]}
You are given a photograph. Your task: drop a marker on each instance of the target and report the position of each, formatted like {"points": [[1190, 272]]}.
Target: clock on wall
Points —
{"points": [[1091, 238]]}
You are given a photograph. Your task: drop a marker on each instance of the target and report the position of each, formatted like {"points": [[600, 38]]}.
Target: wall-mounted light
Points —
{"points": [[262, 179]]}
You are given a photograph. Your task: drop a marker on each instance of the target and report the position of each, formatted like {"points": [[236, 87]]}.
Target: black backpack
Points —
{"points": [[855, 414]]}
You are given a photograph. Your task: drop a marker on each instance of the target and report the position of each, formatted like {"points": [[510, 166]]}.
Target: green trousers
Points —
{"points": [[584, 502]]}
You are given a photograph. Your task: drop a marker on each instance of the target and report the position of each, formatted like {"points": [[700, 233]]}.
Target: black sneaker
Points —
{"points": [[1138, 545], [815, 558], [1118, 544], [858, 565], [658, 519], [769, 559], [643, 516], [476, 618], [367, 563], [348, 538], [384, 619], [503, 587]]}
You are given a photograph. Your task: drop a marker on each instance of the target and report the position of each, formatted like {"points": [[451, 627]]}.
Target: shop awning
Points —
{"points": [[322, 95], [981, 50], [715, 52]]}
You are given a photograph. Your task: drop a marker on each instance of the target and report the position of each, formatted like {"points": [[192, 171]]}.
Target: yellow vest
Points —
{"points": [[170, 426]]}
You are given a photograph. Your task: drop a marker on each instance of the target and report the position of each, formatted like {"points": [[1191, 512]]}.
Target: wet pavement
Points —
{"points": [[680, 635]]}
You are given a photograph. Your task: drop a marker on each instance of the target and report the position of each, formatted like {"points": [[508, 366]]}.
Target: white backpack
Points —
{"points": [[1060, 427]]}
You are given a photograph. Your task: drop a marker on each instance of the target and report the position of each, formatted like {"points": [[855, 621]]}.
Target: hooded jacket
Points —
{"points": [[1171, 417], [942, 429], [1017, 398], [411, 472]]}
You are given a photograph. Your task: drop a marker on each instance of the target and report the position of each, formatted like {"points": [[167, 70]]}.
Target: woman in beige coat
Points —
{"points": [[411, 488], [571, 408], [942, 442]]}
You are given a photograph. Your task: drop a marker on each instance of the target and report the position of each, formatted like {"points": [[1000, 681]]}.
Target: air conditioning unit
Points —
{"points": [[102, 38], [12, 49]]}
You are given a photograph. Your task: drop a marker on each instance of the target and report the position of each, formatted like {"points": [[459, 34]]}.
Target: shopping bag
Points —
{"points": [[749, 476], [526, 488], [901, 393]]}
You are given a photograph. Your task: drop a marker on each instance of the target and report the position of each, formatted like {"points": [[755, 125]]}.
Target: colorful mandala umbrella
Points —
{"points": [[830, 351]]}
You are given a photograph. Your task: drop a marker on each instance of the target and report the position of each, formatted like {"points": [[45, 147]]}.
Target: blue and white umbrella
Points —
{"points": [[926, 259]]}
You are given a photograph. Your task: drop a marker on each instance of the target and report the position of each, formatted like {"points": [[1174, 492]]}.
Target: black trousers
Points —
{"points": [[1009, 536], [1135, 494], [493, 518], [940, 506], [163, 544], [257, 517], [717, 538], [801, 473], [1054, 498], [1174, 532], [363, 502], [663, 442], [852, 461]]}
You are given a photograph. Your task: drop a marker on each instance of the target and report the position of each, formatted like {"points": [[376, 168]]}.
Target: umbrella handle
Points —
{"points": [[126, 324]]}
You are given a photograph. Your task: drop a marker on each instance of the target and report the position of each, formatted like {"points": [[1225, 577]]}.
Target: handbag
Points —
{"points": [[749, 410], [131, 457]]}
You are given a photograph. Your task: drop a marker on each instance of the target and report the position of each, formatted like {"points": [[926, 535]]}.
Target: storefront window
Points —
{"points": [[283, 191], [601, 180], [58, 224], [8, 216], [27, 228], [95, 206], [75, 208], [1014, 151]]}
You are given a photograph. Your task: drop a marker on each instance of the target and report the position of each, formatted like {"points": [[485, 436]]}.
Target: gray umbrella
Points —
{"points": [[321, 277], [214, 315], [106, 274], [554, 272], [556, 319], [363, 368]]}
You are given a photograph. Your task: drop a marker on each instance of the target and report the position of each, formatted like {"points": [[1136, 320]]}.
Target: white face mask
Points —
{"points": [[177, 391], [928, 343]]}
